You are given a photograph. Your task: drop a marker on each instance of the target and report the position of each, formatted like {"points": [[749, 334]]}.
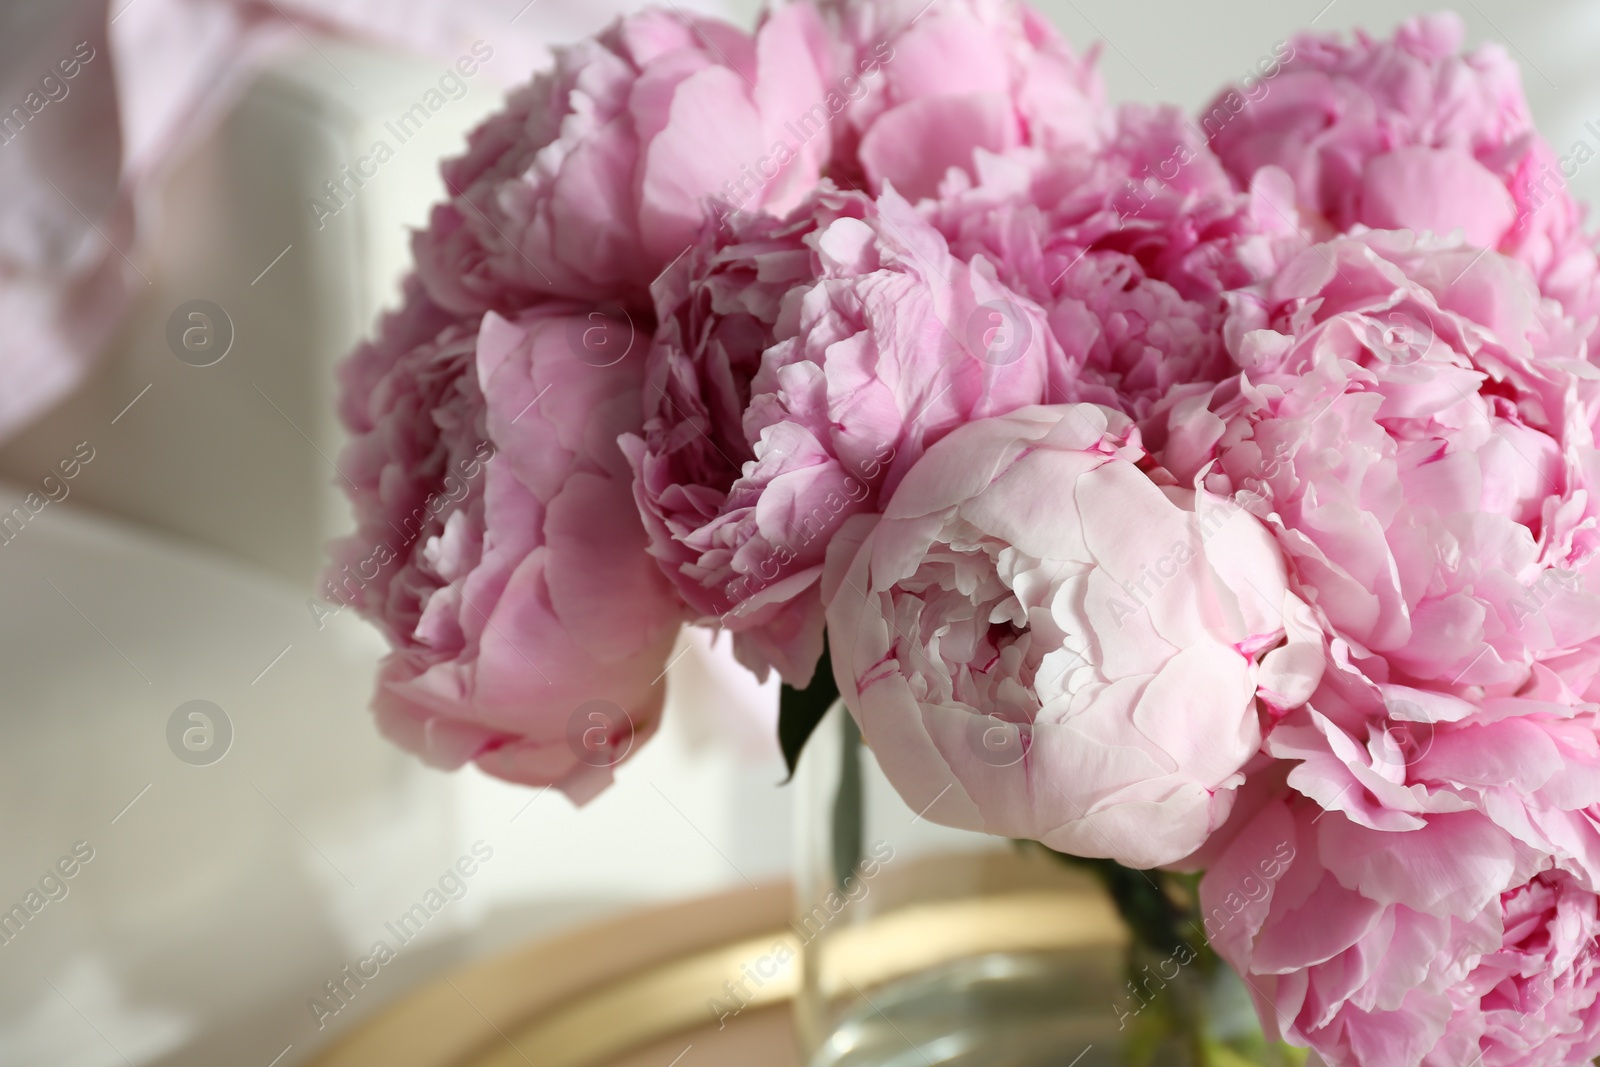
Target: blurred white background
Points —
{"points": [[220, 898]]}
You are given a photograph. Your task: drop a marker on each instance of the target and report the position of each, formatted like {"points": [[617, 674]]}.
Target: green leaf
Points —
{"points": [[799, 710]]}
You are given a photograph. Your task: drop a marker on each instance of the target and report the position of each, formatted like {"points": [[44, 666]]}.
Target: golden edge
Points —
{"points": [[678, 996]]}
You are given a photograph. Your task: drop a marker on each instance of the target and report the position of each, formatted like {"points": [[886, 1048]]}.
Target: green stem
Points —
{"points": [[847, 804]]}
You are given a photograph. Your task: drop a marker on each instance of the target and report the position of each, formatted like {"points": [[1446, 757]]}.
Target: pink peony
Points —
{"points": [[941, 82], [1387, 757], [1417, 434], [1536, 772], [1040, 641], [876, 342], [718, 308], [1414, 425], [1130, 251], [599, 172], [498, 546], [1409, 134], [1447, 945]]}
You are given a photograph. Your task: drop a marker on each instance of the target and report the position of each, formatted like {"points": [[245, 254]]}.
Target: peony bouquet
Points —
{"points": [[1187, 493]]}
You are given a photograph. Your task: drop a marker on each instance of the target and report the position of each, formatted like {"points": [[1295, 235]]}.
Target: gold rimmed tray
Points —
{"points": [[632, 988]]}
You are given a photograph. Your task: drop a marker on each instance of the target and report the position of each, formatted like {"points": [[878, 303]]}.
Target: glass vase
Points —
{"points": [[925, 946]]}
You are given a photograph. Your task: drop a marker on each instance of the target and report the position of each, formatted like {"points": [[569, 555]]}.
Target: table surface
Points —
{"points": [[474, 1014], [647, 987]]}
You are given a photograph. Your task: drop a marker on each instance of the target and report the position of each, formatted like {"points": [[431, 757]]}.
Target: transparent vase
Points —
{"points": [[925, 946]]}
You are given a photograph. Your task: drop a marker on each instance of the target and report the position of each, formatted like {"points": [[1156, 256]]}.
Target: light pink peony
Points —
{"points": [[718, 309], [748, 464], [1130, 251], [1410, 134], [1414, 425], [1387, 757], [1447, 945], [498, 546], [938, 83], [1040, 641], [599, 173], [1417, 434], [1532, 764]]}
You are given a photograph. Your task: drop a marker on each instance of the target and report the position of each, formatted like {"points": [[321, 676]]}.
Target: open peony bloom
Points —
{"points": [[498, 546], [1039, 641], [885, 343], [1536, 773], [1447, 945], [718, 309], [1414, 425], [1410, 134], [599, 172], [1444, 904], [928, 86], [1387, 756], [1130, 251], [1413, 422]]}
